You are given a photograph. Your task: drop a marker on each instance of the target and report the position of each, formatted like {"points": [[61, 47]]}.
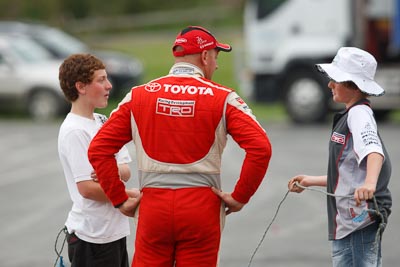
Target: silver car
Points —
{"points": [[29, 79], [124, 71]]}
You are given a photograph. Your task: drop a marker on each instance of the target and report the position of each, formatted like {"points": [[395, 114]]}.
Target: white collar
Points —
{"points": [[183, 68]]}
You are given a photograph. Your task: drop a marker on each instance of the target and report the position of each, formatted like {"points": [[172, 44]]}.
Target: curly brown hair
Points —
{"points": [[77, 68]]}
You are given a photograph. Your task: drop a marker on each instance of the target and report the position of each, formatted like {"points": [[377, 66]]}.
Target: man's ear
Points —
{"points": [[204, 55]]}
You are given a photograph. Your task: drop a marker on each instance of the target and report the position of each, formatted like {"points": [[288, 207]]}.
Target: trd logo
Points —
{"points": [[338, 138], [175, 108]]}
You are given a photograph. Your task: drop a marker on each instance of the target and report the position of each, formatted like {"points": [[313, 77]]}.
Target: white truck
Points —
{"points": [[284, 39]]}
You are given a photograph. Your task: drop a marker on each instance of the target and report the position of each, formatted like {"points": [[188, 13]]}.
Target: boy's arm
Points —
{"points": [[306, 181], [91, 190], [367, 190]]}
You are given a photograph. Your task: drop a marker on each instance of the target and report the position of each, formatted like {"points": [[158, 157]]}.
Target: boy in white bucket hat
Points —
{"points": [[358, 166]]}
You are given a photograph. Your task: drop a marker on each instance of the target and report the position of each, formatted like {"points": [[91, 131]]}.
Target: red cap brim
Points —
{"points": [[224, 47]]}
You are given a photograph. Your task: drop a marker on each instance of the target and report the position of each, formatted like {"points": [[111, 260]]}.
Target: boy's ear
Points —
{"points": [[81, 87]]}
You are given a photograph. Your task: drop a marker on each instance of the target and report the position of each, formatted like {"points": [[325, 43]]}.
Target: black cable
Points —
{"points": [[64, 229]]}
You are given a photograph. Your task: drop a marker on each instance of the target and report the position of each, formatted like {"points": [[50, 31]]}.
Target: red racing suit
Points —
{"points": [[179, 125]]}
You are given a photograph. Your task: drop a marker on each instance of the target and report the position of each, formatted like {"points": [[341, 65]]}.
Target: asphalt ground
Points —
{"points": [[34, 199]]}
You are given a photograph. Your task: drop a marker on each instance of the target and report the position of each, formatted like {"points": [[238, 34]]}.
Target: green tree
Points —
{"points": [[28, 9], [75, 8]]}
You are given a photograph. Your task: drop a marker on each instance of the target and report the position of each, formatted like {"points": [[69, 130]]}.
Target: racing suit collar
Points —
{"points": [[183, 68]]}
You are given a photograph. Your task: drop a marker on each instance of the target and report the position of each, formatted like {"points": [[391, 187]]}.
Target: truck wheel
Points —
{"points": [[306, 97], [382, 115], [43, 105]]}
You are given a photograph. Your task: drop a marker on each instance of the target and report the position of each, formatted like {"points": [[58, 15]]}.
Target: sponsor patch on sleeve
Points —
{"points": [[236, 101], [240, 102], [369, 135]]}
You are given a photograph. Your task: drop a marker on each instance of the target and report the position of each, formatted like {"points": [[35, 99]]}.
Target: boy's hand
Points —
{"points": [[364, 192]]}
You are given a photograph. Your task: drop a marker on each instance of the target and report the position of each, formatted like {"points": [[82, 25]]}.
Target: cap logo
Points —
{"points": [[200, 41], [207, 44], [181, 40], [203, 43]]}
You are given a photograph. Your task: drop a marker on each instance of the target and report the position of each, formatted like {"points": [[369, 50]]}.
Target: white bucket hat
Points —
{"points": [[356, 65]]}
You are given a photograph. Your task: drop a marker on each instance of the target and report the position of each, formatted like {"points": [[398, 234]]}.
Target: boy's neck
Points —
{"points": [[356, 98], [82, 110]]}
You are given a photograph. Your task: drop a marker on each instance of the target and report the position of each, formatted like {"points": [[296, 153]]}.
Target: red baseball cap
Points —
{"points": [[195, 39]]}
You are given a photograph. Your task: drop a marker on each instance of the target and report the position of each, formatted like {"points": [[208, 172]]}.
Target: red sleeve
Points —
{"points": [[114, 134], [251, 137]]}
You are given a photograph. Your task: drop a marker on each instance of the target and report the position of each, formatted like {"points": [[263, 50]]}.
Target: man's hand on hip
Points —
{"points": [[129, 207], [230, 203]]}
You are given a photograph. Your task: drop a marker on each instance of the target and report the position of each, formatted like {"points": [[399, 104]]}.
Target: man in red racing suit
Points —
{"points": [[179, 125]]}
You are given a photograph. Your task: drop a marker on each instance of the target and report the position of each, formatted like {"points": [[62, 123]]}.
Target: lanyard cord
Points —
{"points": [[266, 230], [382, 223], [64, 229], [381, 228]]}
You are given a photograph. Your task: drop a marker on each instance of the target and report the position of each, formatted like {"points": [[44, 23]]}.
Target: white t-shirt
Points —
{"points": [[92, 221]]}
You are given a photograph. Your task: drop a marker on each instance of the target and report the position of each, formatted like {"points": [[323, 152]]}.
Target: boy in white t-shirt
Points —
{"points": [[96, 230]]}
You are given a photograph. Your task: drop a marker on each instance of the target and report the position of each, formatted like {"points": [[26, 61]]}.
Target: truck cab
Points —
{"points": [[284, 39]]}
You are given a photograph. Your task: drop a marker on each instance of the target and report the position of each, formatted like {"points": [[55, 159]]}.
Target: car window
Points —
{"points": [[58, 42], [29, 50]]}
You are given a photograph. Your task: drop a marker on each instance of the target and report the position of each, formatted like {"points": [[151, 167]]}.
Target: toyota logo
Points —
{"points": [[152, 87]]}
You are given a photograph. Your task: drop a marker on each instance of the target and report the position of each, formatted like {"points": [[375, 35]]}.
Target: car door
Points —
{"points": [[11, 86]]}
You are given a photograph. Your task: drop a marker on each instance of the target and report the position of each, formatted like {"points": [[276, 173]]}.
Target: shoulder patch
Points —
{"points": [[338, 138]]}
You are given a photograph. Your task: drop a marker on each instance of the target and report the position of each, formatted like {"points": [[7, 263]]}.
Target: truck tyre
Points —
{"points": [[44, 105], [382, 115], [306, 97], [265, 88]]}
